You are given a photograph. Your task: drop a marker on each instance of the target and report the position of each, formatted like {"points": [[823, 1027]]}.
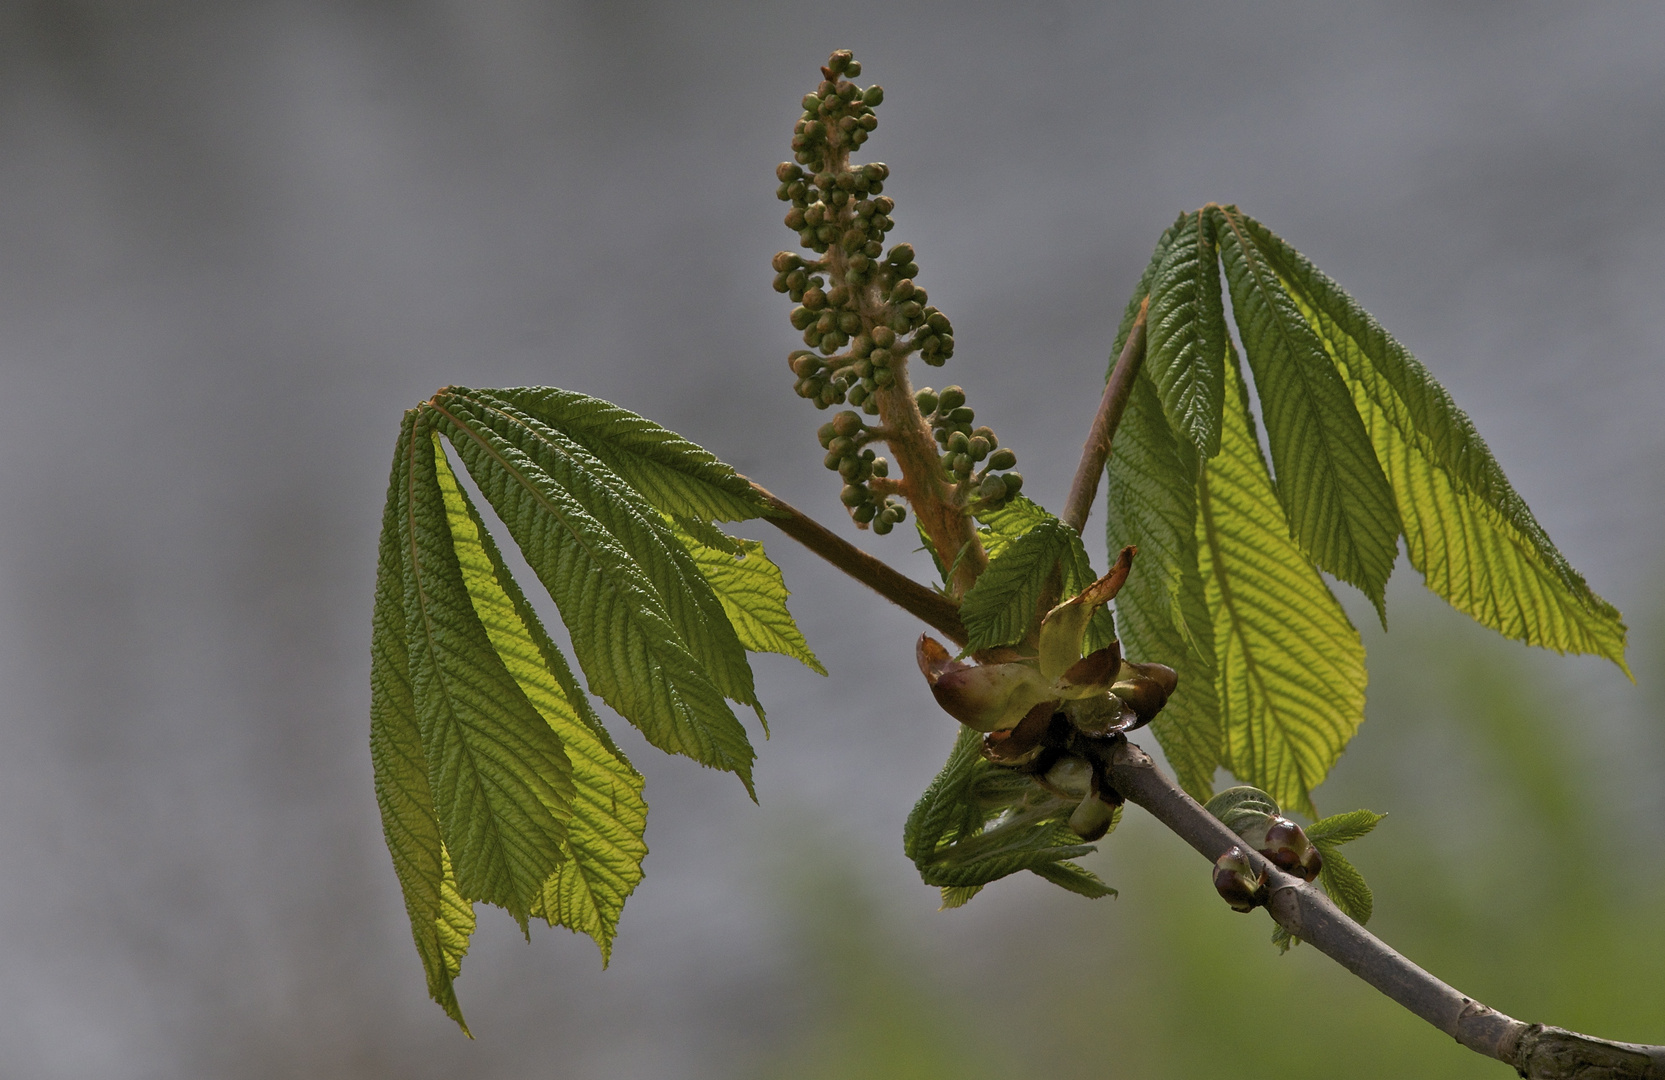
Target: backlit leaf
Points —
{"points": [[1186, 333]]}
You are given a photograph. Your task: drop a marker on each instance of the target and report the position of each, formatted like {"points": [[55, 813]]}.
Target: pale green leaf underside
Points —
{"points": [[500, 781], [627, 644], [1466, 530], [1161, 610], [1291, 666], [1000, 608], [1186, 333], [753, 594], [1333, 491], [441, 920], [605, 847]]}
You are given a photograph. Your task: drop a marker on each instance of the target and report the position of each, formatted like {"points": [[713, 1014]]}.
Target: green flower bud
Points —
{"points": [[947, 345], [858, 394], [810, 103], [882, 526], [841, 444], [926, 399], [884, 377], [826, 320], [802, 317], [846, 424], [779, 283], [900, 255], [798, 279], [833, 460], [849, 322], [992, 488], [965, 414], [825, 434], [978, 448], [833, 340], [958, 443], [864, 369], [874, 97], [796, 218], [847, 91], [868, 122], [864, 513], [853, 68], [898, 512], [919, 297], [952, 398], [830, 395], [986, 432], [902, 290], [783, 192], [883, 337], [852, 468], [870, 406], [805, 365], [860, 264], [881, 467], [812, 336], [938, 322], [1002, 459], [880, 357], [861, 345], [872, 249], [1014, 484], [910, 311], [798, 191]]}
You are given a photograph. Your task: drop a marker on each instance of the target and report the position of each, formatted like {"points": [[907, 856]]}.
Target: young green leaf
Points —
{"points": [[1338, 501], [1162, 609], [978, 823], [1342, 828], [688, 600], [1016, 520], [675, 475], [501, 783], [1346, 886], [753, 594], [631, 652], [604, 838], [1185, 345], [1142, 291], [1466, 530], [1000, 609], [441, 920], [1291, 671]]}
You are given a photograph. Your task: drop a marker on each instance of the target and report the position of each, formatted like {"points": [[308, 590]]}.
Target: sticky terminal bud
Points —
{"points": [[1237, 882]]}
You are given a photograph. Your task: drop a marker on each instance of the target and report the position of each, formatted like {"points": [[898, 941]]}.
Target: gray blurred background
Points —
{"points": [[236, 241]]}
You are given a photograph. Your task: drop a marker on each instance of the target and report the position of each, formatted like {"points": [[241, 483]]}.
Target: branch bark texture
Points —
{"points": [[1534, 1050], [1084, 488]]}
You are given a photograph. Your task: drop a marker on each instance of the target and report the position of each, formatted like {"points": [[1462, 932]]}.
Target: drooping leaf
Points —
{"points": [[978, 823], [753, 594], [605, 847], [1338, 501], [1186, 333], [1141, 292], [441, 920], [675, 475], [694, 610], [631, 652], [1466, 530], [1162, 610], [1290, 665], [501, 783]]}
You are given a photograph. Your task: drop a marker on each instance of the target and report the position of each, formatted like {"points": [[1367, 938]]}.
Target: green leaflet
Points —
{"points": [[675, 475], [1338, 501], [1024, 543], [1346, 886], [441, 920], [1466, 530], [1342, 828], [1185, 346], [1000, 609], [502, 785], [1131, 313], [753, 594], [978, 823], [604, 838], [1290, 665], [632, 651], [1162, 609], [688, 600]]}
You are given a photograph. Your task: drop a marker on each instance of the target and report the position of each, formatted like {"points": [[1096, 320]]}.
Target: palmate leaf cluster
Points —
{"points": [[1365, 448], [497, 780]]}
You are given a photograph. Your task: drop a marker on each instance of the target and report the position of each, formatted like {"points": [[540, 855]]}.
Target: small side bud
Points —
{"points": [[1237, 882]]}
